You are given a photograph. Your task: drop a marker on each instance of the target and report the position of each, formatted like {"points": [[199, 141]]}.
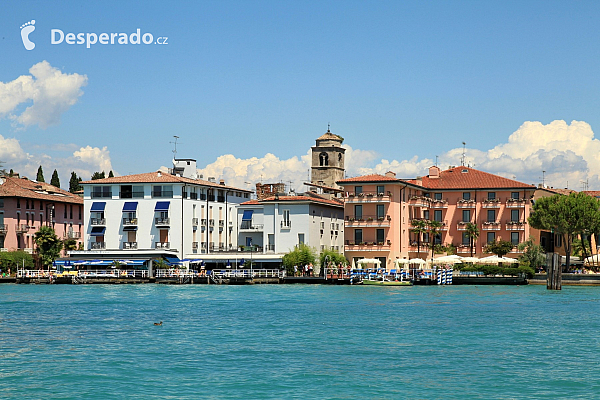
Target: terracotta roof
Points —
{"points": [[295, 198], [566, 192], [369, 178], [157, 177], [469, 178], [330, 136], [23, 187], [594, 193]]}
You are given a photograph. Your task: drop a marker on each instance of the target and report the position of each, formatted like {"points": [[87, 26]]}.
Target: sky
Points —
{"points": [[248, 86]]}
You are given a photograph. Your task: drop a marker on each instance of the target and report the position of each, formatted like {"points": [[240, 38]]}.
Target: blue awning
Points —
{"points": [[130, 206], [173, 260], [162, 206], [247, 215], [130, 228], [98, 206], [98, 231]]}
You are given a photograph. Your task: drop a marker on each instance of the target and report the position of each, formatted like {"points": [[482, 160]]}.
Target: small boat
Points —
{"points": [[382, 278], [383, 282]]}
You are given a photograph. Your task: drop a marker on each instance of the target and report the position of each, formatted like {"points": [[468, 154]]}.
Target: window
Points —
{"points": [[41, 205], [557, 240], [514, 195], [465, 239], [2, 203], [18, 203], [491, 237], [491, 215], [437, 215], [426, 214], [323, 159], [165, 191], [491, 195], [466, 195], [79, 212], [358, 212], [65, 213], [358, 236], [514, 238], [514, 215], [380, 211], [101, 191], [129, 191], [380, 189], [437, 196], [438, 239], [301, 238], [466, 215], [71, 211], [286, 218], [380, 235], [358, 189], [27, 204]]}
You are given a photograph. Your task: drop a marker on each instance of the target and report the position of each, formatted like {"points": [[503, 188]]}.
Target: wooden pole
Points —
{"points": [[554, 274]]}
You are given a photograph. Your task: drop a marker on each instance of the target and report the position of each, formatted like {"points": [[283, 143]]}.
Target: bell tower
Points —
{"points": [[328, 160]]}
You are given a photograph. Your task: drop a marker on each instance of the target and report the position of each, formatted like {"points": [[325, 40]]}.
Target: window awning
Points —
{"points": [[98, 231], [173, 260], [162, 206], [130, 206], [130, 228], [247, 215], [98, 206]]}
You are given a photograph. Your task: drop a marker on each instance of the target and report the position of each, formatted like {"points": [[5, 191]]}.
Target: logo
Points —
{"points": [[26, 29]]}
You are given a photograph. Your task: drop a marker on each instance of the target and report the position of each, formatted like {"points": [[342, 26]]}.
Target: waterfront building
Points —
{"points": [[27, 205], [381, 213], [328, 158], [172, 214]]}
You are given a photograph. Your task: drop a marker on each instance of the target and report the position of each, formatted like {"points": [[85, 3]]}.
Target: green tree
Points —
{"points": [[70, 244], [40, 175], [48, 245], [330, 256], [301, 255], [472, 232], [435, 228], [98, 175], [14, 260], [419, 227], [55, 181], [74, 185], [11, 173], [110, 174], [499, 247], [533, 254]]}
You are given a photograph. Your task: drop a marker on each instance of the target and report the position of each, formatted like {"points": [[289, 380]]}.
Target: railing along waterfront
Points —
{"points": [[249, 273]]}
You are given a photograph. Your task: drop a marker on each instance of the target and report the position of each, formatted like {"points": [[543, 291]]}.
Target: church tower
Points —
{"points": [[328, 160]]}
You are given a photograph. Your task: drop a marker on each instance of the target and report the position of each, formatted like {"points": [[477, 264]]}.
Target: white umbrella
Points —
{"points": [[417, 261], [470, 259], [353, 263], [509, 260], [369, 261], [399, 261], [447, 260], [496, 260], [592, 259]]}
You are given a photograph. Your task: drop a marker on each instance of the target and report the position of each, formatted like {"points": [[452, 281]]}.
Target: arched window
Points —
{"points": [[340, 158], [323, 159]]}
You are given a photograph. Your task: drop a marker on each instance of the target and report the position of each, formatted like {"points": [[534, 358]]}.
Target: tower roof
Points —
{"points": [[330, 136]]}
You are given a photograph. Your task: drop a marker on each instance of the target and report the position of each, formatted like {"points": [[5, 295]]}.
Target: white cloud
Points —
{"points": [[51, 92], [94, 158]]}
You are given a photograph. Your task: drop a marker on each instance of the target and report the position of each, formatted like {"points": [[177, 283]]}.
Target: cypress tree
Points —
{"points": [[110, 174], [40, 175], [55, 181], [74, 183]]}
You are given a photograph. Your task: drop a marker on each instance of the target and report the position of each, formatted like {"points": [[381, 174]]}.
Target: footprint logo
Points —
{"points": [[26, 29]]}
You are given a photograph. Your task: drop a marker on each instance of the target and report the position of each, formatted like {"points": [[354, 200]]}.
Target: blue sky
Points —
{"points": [[400, 81]]}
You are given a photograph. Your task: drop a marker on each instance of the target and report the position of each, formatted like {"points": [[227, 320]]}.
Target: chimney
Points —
{"points": [[158, 174], [390, 174], [434, 172], [222, 182]]}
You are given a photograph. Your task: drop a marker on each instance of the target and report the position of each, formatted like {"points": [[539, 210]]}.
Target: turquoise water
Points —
{"points": [[298, 341]]}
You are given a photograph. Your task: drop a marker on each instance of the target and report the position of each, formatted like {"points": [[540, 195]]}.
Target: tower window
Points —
{"points": [[323, 159]]}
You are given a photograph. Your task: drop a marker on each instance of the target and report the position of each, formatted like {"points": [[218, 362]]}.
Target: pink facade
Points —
{"points": [[25, 206], [498, 206]]}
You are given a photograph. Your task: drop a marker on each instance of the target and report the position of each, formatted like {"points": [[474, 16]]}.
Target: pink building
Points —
{"points": [[381, 212], [26, 205]]}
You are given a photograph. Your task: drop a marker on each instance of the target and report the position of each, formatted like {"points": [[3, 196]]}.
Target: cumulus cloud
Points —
{"points": [[50, 92]]}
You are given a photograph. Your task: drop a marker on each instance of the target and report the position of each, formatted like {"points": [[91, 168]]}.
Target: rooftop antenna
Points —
{"points": [[328, 125], [584, 185], [175, 145], [462, 159], [436, 161], [544, 179]]}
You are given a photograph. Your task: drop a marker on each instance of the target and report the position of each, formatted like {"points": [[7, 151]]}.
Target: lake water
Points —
{"points": [[298, 342]]}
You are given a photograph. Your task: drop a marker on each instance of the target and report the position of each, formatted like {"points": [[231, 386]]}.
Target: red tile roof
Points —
{"points": [[23, 187], [332, 202], [158, 177], [594, 193], [469, 178], [368, 178]]}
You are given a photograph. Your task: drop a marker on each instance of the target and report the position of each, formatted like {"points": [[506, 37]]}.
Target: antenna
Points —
{"points": [[328, 125], [436, 161], [584, 185], [462, 159], [544, 179], [175, 146]]}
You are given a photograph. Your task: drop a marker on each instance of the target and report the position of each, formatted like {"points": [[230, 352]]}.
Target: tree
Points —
{"points": [[301, 255], [11, 173], [14, 260], [74, 185], [472, 232], [419, 228], [48, 245], [533, 254], [330, 256], [98, 175], [499, 247], [40, 175], [110, 174], [55, 181], [70, 244], [435, 227]]}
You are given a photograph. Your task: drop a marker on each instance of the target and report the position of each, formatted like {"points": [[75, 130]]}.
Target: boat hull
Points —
{"points": [[386, 283]]}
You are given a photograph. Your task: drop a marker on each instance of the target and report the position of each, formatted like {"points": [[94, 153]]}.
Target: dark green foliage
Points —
{"points": [[70, 244], [98, 175], [74, 185], [332, 257], [14, 260], [491, 269], [48, 245], [301, 255], [472, 233], [40, 175], [110, 174], [55, 181], [499, 247], [533, 254]]}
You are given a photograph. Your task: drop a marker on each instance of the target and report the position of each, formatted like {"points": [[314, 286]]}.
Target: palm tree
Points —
{"points": [[419, 228], [435, 227], [472, 232]]}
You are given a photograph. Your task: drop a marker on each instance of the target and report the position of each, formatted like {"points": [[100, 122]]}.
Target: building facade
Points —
{"points": [[27, 205], [328, 157]]}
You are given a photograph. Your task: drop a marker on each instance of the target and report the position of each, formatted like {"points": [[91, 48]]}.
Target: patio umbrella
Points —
{"points": [[369, 261], [592, 259], [417, 261], [399, 261], [447, 260], [470, 259], [353, 263]]}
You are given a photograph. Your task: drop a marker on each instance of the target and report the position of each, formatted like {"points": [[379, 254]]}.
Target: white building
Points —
{"points": [[274, 225], [170, 214]]}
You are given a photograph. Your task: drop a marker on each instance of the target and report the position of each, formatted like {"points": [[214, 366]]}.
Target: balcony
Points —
{"points": [[72, 235], [286, 224], [211, 222], [491, 203], [162, 221], [368, 197], [368, 220], [419, 201], [203, 221], [98, 221], [211, 246], [130, 245], [515, 225], [203, 246], [194, 221], [162, 245], [271, 248], [414, 221], [221, 199], [21, 228], [97, 245], [465, 204], [249, 226], [491, 226], [194, 245], [221, 223], [438, 204], [3, 229], [130, 221], [221, 246], [352, 245], [516, 203], [462, 225], [28, 250]]}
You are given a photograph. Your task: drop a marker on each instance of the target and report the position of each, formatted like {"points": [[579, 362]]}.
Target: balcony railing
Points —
{"points": [[130, 245], [221, 223], [21, 228], [462, 225], [162, 221], [491, 203], [203, 246], [3, 228], [98, 221], [368, 218], [97, 245], [194, 245], [221, 199], [162, 245], [203, 221], [72, 235], [211, 222], [194, 221], [221, 246], [516, 203], [368, 197], [130, 221], [211, 246], [270, 247], [440, 203], [516, 225], [250, 226], [491, 226], [465, 203], [419, 201], [286, 224]]}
